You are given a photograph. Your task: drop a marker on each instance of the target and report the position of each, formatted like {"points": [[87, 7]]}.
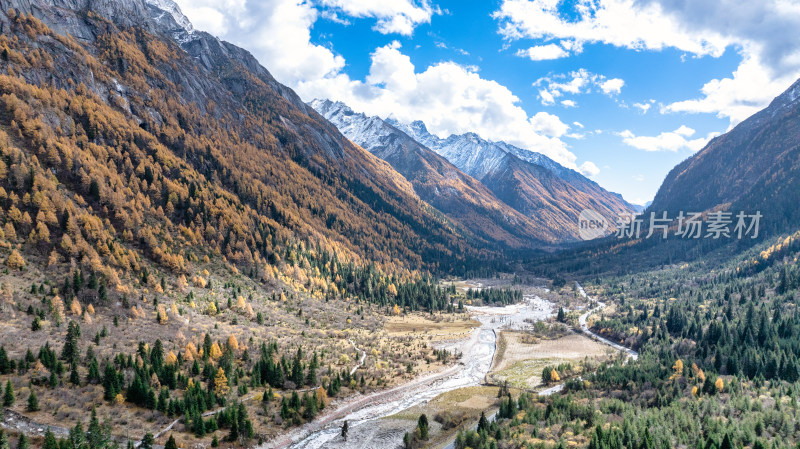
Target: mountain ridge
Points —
{"points": [[436, 180], [754, 166], [541, 189], [215, 108]]}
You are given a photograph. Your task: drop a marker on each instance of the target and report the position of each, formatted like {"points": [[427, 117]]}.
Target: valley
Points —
{"points": [[456, 395], [205, 246]]}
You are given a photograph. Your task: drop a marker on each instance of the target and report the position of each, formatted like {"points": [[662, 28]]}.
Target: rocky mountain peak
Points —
{"points": [[63, 16]]}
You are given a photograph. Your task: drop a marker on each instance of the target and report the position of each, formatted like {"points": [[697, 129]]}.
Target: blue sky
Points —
{"points": [[621, 90]]}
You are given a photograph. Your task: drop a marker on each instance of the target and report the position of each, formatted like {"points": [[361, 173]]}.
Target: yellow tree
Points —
{"points": [[554, 377], [221, 387], [233, 343], [162, 315], [75, 307], [15, 260], [720, 384], [215, 352]]}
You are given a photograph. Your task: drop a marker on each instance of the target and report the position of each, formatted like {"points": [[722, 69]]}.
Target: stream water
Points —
{"points": [[477, 354]]}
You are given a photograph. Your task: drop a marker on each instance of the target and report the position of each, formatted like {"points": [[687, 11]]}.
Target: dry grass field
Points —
{"points": [[449, 412], [520, 363], [440, 327]]}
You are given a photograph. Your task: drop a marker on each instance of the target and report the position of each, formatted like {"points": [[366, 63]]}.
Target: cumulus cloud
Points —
{"points": [[580, 81], [543, 52], [275, 31], [764, 32], [450, 98], [548, 124], [569, 103], [622, 23], [666, 141], [736, 98], [588, 169], [612, 86], [394, 16], [643, 107]]}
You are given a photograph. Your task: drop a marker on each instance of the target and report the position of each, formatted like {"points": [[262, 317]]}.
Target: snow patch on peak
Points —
{"points": [[166, 11], [794, 94], [328, 108]]}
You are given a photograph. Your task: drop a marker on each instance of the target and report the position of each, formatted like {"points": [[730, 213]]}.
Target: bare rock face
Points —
{"points": [[64, 16]]}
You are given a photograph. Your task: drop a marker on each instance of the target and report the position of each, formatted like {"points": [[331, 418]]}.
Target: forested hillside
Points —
{"points": [[717, 366], [182, 238], [200, 138]]}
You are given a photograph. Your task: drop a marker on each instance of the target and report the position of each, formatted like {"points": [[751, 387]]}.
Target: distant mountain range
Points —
{"points": [[548, 194], [755, 167], [457, 195]]}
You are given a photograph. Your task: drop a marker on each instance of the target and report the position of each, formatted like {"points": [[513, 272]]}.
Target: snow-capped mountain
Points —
{"points": [[477, 156], [549, 195], [460, 197]]}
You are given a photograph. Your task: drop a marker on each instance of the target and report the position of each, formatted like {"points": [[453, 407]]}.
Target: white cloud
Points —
{"points": [[580, 81], [764, 32], [205, 18], [394, 16], [736, 98], [569, 103], [578, 124], [685, 131], [546, 97], [622, 23], [450, 98], [543, 52], [275, 31], [589, 169], [644, 107], [666, 141], [548, 124], [612, 86], [334, 17]]}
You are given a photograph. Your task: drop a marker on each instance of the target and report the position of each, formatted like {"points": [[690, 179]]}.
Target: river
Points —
{"points": [[477, 354]]}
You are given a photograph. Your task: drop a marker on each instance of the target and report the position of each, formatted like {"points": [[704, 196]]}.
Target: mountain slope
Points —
{"points": [[531, 183], [437, 181], [755, 166], [193, 103]]}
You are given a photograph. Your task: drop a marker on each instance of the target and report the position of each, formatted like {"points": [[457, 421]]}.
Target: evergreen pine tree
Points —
{"points": [[50, 441], [171, 444], [22, 442], [8, 395], [33, 402], [147, 441]]}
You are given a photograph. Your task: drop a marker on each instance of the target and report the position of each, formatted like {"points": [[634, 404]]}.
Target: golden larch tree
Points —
{"points": [[221, 387]]}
